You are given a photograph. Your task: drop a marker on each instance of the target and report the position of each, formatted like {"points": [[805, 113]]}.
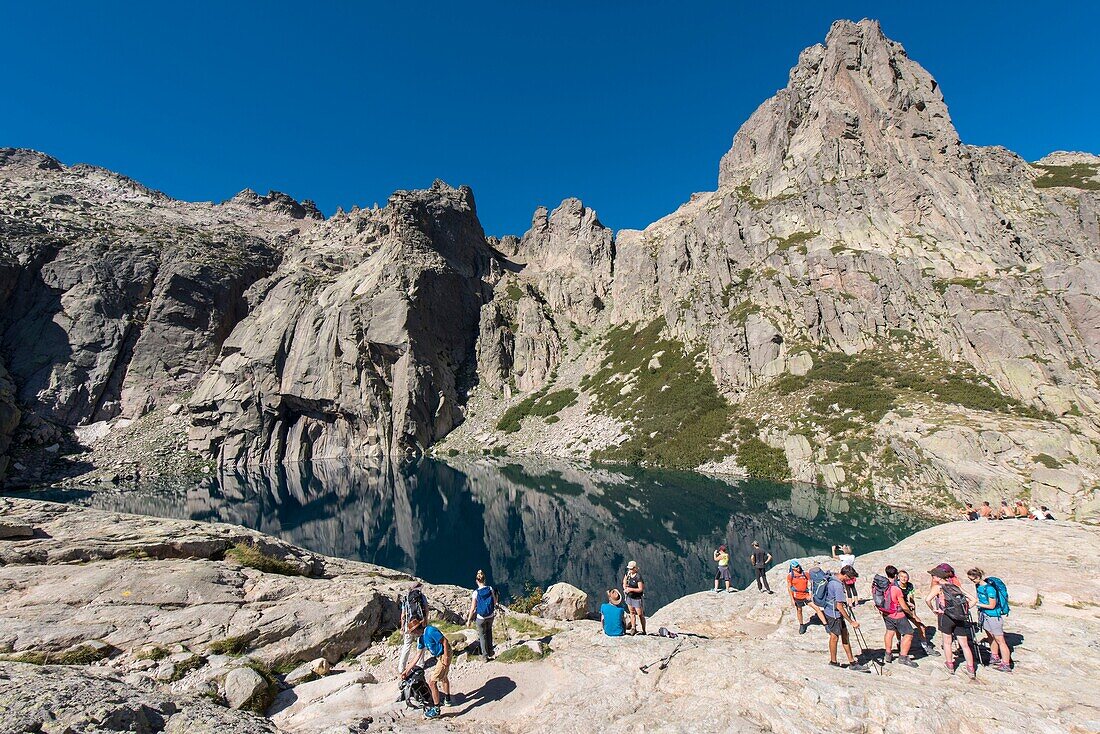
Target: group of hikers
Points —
{"points": [[1018, 511], [832, 598]]}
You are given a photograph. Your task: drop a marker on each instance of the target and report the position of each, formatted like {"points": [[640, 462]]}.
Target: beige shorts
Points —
{"points": [[439, 672]]}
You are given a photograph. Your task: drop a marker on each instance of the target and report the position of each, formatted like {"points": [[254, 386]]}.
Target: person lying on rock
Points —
{"points": [[613, 614], [437, 644], [836, 612]]}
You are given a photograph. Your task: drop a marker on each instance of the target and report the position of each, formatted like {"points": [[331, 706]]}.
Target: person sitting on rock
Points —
{"points": [[909, 591], [969, 512], [613, 614], [895, 615], [1005, 512], [836, 612], [437, 644], [759, 559], [1021, 510], [483, 608], [722, 558], [634, 588], [798, 586], [985, 511], [991, 619]]}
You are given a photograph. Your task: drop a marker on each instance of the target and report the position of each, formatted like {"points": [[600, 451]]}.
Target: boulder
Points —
{"points": [[10, 530], [306, 672], [244, 687], [564, 601]]}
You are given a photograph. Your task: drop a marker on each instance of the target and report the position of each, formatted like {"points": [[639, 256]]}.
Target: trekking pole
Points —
{"points": [[974, 639], [862, 641]]}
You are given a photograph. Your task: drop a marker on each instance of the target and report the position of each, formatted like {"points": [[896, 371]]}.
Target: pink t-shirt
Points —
{"points": [[896, 596]]}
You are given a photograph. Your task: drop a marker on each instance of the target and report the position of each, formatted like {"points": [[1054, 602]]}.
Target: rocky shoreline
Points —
{"points": [[168, 624]]}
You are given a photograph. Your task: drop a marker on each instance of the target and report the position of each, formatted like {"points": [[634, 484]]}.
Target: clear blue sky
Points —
{"points": [[628, 106]]}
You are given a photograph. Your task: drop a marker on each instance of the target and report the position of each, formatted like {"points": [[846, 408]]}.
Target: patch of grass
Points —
{"points": [[795, 239], [763, 461], [673, 413], [185, 667], [153, 653], [263, 700], [373, 660], [79, 655], [1075, 175], [528, 627], [521, 654], [1047, 460], [235, 645], [285, 666], [789, 384], [869, 402], [395, 638], [253, 557], [973, 284], [513, 292], [741, 312], [539, 404], [528, 600]]}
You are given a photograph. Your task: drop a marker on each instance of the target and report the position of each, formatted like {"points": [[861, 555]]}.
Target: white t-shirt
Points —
{"points": [[847, 559], [1039, 514]]}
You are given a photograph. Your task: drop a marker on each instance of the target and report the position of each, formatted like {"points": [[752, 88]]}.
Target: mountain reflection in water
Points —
{"points": [[524, 520]]}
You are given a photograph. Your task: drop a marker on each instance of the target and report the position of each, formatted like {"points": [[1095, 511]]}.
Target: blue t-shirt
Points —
{"points": [[432, 639], [988, 593], [834, 593], [613, 623]]}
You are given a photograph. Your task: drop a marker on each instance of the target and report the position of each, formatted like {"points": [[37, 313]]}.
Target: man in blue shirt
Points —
{"points": [[436, 643], [836, 612], [613, 614]]}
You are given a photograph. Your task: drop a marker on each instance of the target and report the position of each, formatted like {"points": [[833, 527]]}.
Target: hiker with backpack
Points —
{"points": [[798, 586], [760, 559], [829, 594], [634, 588], [909, 591], [436, 643], [847, 558], [992, 596], [722, 558], [952, 606], [413, 607], [890, 601], [483, 608]]}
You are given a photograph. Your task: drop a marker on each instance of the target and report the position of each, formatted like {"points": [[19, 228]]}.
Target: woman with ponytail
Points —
{"points": [[483, 608]]}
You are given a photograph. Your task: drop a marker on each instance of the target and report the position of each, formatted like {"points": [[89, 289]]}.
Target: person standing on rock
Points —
{"points": [[836, 612], [798, 586], [722, 558], [909, 591], [993, 605], [895, 615], [634, 588], [952, 606], [760, 559], [437, 644], [613, 615], [413, 606], [847, 558], [483, 607]]}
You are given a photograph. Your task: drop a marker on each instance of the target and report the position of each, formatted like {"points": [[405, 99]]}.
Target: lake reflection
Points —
{"points": [[533, 521]]}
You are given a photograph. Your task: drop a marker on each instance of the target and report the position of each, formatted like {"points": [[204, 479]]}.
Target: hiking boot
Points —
{"points": [[973, 671], [887, 658], [801, 629], [835, 664], [950, 665], [717, 591], [994, 660], [859, 667], [432, 712], [907, 661], [1003, 668], [731, 590], [929, 649], [447, 701]]}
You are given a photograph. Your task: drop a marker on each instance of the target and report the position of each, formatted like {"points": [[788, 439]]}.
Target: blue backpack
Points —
{"points": [[486, 602], [1002, 594], [819, 585]]}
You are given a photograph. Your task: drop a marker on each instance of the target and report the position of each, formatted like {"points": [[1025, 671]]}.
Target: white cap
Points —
{"points": [[632, 564]]}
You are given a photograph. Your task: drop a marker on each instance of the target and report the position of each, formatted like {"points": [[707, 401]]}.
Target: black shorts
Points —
{"points": [[801, 602], [902, 626], [723, 574], [949, 626], [836, 626]]}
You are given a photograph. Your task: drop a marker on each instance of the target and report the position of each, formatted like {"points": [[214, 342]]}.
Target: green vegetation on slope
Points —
{"points": [[666, 396], [540, 403], [253, 557], [1075, 175]]}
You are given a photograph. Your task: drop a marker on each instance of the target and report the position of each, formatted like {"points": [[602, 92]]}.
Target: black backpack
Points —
{"points": [[955, 606], [415, 606]]}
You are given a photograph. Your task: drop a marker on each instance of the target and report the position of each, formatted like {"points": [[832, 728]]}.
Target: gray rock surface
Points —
{"points": [[564, 601], [244, 687]]}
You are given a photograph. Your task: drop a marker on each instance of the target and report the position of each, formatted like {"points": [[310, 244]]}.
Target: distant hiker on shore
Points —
{"points": [[985, 511], [1021, 510], [798, 586], [1004, 512], [483, 608], [890, 601], [436, 643], [969, 512], [910, 593], [634, 588], [836, 611], [722, 558], [952, 607], [847, 558], [759, 559], [992, 596], [613, 614], [413, 607]]}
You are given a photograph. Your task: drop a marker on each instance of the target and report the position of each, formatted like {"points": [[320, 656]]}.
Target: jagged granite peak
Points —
{"points": [[362, 343], [279, 202]]}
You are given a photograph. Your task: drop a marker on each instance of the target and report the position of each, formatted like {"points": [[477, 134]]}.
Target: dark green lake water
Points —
{"points": [[527, 521]]}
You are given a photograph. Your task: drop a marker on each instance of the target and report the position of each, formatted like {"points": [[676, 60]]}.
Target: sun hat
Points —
{"points": [[942, 571], [632, 564]]}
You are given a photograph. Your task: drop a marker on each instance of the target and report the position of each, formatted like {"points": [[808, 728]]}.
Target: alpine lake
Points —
{"points": [[526, 522]]}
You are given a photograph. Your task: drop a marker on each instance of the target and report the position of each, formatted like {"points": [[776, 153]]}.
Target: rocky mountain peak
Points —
{"points": [[278, 202], [25, 158], [856, 106]]}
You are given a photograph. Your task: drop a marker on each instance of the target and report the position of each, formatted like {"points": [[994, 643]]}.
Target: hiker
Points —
{"points": [[992, 595], [760, 559], [634, 588], [985, 511], [835, 606], [722, 558], [847, 558], [1004, 512], [798, 586], [1047, 515], [483, 607], [909, 591], [413, 606], [890, 601], [969, 512], [437, 645], [1021, 510], [952, 607], [613, 614]]}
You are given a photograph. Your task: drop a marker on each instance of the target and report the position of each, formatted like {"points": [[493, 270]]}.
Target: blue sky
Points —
{"points": [[628, 106]]}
